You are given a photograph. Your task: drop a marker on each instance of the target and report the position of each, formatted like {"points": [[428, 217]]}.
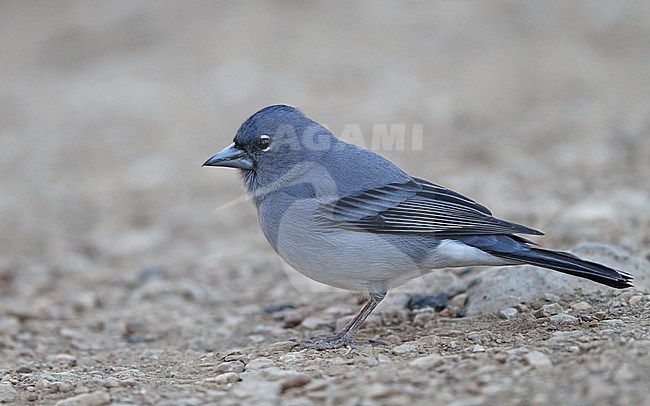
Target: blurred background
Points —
{"points": [[108, 109]]}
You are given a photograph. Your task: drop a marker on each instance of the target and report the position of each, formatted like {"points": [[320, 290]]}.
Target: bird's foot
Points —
{"points": [[326, 343]]}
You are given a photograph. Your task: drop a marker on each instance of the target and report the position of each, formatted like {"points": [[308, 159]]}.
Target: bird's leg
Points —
{"points": [[344, 336]]}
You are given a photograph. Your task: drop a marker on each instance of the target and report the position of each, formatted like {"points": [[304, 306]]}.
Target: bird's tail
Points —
{"points": [[570, 264]]}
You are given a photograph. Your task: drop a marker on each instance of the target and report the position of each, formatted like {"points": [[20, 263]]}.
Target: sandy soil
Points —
{"points": [[125, 280]]}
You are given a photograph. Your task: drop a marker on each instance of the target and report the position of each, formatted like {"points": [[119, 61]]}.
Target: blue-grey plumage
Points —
{"points": [[349, 218]]}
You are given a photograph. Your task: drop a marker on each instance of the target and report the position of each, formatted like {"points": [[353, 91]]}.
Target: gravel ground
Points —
{"points": [[127, 277]]}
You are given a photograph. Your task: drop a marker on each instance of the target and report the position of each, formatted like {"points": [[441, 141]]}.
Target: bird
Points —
{"points": [[347, 217]]}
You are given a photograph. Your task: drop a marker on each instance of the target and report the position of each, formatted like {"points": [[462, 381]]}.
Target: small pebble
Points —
{"points": [[86, 399], [564, 319], [508, 313], [427, 362], [459, 300], [635, 299], [613, 322], [521, 308], [452, 312], [235, 354], [275, 373], [111, 383], [259, 363], [478, 348], [479, 336], [231, 366], [438, 302], [548, 310], [84, 301], [127, 383], [428, 340], [403, 349], [537, 359], [614, 303], [294, 382], [291, 357], [581, 306], [228, 377]]}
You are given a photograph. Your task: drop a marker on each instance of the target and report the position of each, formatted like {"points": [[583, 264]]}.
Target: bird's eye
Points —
{"points": [[263, 143]]}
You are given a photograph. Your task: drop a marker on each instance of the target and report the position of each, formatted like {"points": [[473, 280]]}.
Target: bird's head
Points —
{"points": [[272, 143]]}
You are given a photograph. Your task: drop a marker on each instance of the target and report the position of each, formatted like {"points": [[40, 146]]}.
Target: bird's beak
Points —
{"points": [[232, 157]]}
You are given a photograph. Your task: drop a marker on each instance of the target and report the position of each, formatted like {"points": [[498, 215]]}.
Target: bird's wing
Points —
{"points": [[417, 207]]}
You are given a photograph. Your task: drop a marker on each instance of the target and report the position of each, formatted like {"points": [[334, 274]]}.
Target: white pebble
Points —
{"points": [[548, 310], [87, 399], [403, 349], [275, 373], [581, 306], [230, 366], [228, 377], [635, 299], [537, 359], [259, 363], [428, 362], [508, 313], [564, 319]]}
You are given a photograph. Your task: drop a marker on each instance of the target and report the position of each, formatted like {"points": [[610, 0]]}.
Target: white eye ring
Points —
{"points": [[265, 137]]}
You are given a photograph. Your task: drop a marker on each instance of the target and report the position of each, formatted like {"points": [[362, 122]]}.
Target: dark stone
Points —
{"points": [[270, 309], [438, 302]]}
